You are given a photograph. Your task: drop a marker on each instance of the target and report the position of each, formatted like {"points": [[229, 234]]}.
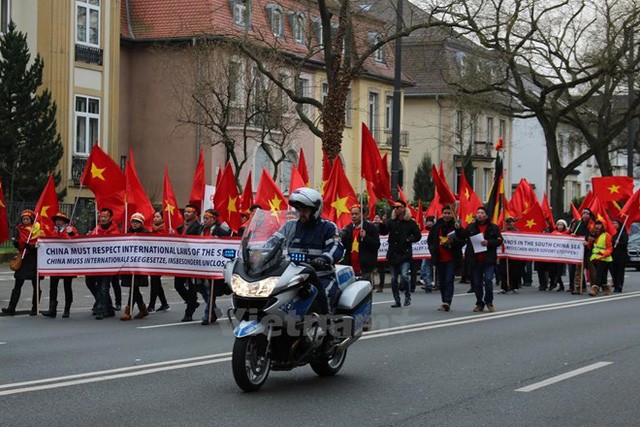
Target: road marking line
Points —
{"points": [[563, 377], [111, 377], [117, 370], [151, 368], [164, 325]]}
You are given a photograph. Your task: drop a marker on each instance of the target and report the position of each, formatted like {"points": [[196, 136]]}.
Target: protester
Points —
{"points": [[426, 266], [582, 227], [104, 306], [601, 248], [156, 291], [136, 281], [403, 231], [27, 236], [62, 230], [183, 285], [482, 262], [556, 269], [212, 227], [510, 270], [361, 241], [619, 255], [381, 266], [444, 250]]}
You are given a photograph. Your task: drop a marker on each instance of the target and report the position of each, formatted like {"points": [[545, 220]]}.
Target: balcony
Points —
{"points": [[383, 137], [88, 54]]}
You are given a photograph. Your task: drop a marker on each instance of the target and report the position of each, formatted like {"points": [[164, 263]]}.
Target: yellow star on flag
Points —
{"points": [[530, 223], [614, 189], [469, 218], [600, 217], [231, 204], [96, 172], [355, 246], [43, 211], [170, 208], [274, 204], [466, 194], [443, 240], [340, 205]]}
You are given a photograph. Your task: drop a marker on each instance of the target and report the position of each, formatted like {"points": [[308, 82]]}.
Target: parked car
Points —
{"points": [[633, 250]]}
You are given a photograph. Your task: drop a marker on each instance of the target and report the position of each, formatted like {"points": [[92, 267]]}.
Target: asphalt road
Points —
{"points": [[544, 358]]}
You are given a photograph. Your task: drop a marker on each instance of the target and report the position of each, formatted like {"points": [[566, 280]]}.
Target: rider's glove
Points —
{"points": [[320, 263]]}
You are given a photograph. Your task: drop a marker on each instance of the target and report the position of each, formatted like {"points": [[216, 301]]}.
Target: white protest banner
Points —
{"points": [[420, 249], [543, 247], [191, 256]]}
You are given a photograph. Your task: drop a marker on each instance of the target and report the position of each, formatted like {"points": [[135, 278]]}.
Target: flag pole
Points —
{"points": [[75, 204], [210, 299], [620, 233]]}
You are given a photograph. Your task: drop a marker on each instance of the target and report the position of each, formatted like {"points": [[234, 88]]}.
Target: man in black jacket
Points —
{"points": [[361, 241], [190, 227], [444, 251], [402, 231], [483, 262], [620, 243]]}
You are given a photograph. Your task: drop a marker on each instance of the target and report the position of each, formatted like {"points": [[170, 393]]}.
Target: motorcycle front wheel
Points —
{"points": [[329, 366], [250, 362]]}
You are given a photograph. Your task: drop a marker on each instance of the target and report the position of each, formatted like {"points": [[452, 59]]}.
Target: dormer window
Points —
{"points": [[378, 54], [276, 19], [297, 22], [239, 10]]}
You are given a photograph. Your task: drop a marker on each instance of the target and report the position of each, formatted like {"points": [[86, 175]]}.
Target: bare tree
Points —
{"points": [[549, 67], [234, 105]]}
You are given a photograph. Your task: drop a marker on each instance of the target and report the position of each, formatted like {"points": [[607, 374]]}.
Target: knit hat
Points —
{"points": [[561, 221], [137, 217], [28, 212], [62, 216]]}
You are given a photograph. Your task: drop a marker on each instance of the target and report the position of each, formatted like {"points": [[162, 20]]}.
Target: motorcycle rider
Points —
{"points": [[317, 237]]}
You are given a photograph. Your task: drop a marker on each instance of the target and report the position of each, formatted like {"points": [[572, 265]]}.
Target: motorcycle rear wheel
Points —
{"points": [[250, 363], [329, 366]]}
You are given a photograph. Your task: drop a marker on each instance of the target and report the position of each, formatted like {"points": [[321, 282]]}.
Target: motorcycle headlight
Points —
{"points": [[261, 288]]}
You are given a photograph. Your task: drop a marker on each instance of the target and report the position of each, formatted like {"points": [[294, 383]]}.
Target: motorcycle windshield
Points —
{"points": [[262, 247]]}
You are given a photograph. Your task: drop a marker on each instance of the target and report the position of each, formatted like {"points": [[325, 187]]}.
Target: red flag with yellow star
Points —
{"points": [[302, 168], [370, 158], [446, 196], [435, 207], [268, 195], [469, 202], [246, 200], [4, 218], [196, 197], [226, 198], [103, 176], [522, 199], [338, 196], [630, 211], [296, 181], [546, 210], [46, 208], [612, 188], [372, 200], [170, 212], [598, 209], [137, 200], [533, 220]]}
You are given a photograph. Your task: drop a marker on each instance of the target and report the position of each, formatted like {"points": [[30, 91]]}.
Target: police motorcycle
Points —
{"points": [[280, 323]]}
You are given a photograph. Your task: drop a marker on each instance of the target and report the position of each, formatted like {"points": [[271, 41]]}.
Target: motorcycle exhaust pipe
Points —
{"points": [[348, 341]]}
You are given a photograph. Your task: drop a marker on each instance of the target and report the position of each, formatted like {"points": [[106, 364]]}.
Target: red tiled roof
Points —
{"points": [[151, 20]]}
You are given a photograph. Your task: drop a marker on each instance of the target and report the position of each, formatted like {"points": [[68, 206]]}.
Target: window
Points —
{"points": [[488, 182], [297, 27], [490, 130], [317, 27], [236, 72], [472, 130], [87, 118], [258, 99], [290, 159], [261, 161], [388, 113], [502, 129], [303, 86], [239, 13], [88, 22], [378, 54], [4, 16], [459, 125], [276, 19], [373, 111]]}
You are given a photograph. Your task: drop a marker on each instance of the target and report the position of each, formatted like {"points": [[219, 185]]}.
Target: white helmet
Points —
{"points": [[307, 198]]}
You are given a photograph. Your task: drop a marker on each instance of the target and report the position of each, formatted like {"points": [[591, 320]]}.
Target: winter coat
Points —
{"points": [[368, 248], [403, 232], [442, 228], [491, 234], [620, 253]]}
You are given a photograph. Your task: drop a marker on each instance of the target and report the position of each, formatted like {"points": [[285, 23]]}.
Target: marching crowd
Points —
{"points": [[448, 242]]}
